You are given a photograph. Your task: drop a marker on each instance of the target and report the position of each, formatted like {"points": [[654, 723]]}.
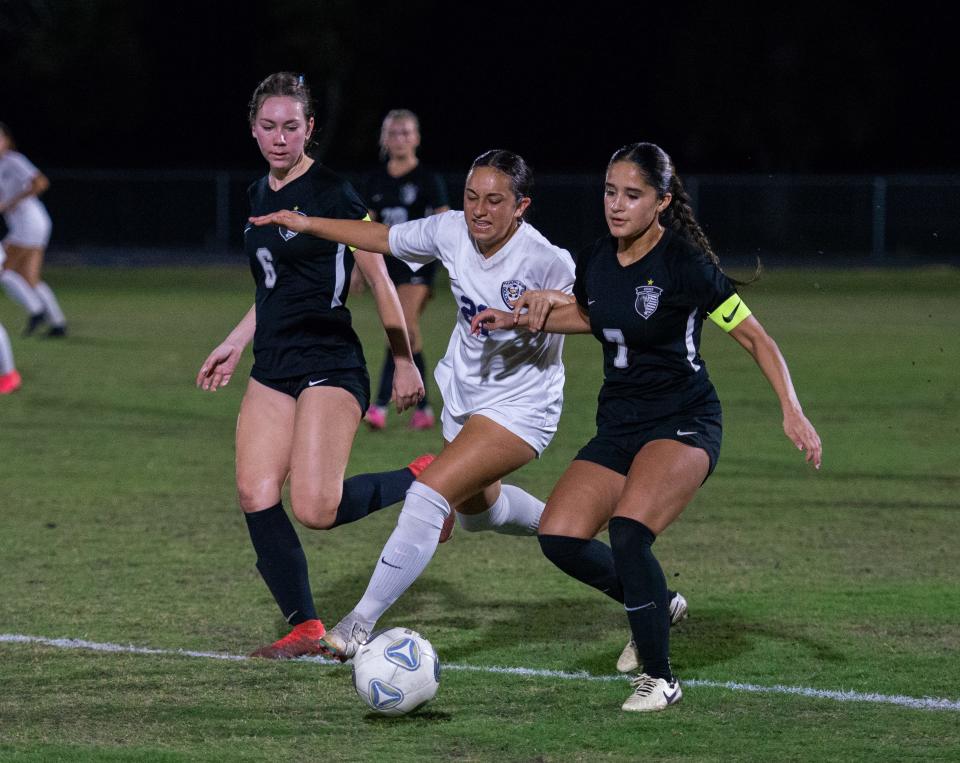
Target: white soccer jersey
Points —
{"points": [[28, 221], [512, 369]]}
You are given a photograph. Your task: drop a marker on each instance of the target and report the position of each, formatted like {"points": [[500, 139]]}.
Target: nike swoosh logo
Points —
{"points": [[685, 434], [590, 302], [648, 605], [290, 616], [670, 697], [314, 384], [390, 565], [728, 318]]}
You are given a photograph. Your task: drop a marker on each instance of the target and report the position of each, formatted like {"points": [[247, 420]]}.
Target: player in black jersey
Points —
{"points": [[644, 292], [401, 190], [309, 386]]}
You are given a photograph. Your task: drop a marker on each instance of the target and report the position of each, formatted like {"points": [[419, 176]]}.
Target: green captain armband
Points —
{"points": [[731, 313]]}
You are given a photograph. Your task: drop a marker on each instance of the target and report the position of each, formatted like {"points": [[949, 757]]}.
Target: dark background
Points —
{"points": [[724, 88]]}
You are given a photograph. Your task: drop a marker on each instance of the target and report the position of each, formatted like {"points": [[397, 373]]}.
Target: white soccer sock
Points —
{"points": [[406, 554], [55, 315], [515, 512], [6, 352], [21, 292]]}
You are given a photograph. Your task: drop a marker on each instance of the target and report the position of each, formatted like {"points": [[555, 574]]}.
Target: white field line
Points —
{"points": [[917, 703]]}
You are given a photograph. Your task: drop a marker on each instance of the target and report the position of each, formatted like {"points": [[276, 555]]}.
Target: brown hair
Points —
{"points": [[285, 85]]}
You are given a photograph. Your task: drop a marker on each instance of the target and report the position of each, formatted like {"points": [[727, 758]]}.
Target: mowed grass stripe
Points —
{"points": [[916, 703]]}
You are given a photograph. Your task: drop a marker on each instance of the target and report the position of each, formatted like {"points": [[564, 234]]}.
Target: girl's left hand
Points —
{"points": [[798, 428], [284, 218], [407, 385]]}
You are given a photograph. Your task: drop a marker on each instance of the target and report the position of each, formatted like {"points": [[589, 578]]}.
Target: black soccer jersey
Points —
{"points": [[648, 316], [303, 324], [408, 197]]}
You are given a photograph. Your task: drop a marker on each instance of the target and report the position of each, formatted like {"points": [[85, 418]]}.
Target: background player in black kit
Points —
{"points": [[644, 292], [401, 190], [309, 386]]}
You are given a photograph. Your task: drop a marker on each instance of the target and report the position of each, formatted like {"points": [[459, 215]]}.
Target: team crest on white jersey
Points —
{"points": [[408, 193], [511, 291], [648, 300], [285, 233]]}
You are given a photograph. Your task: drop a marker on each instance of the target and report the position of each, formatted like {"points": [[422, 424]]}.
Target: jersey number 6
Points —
{"points": [[266, 260]]}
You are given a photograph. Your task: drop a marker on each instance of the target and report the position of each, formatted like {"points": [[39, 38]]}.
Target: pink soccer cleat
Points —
{"points": [[11, 382], [376, 418], [422, 419]]}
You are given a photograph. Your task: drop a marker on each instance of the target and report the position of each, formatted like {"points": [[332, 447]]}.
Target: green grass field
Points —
{"points": [[119, 525]]}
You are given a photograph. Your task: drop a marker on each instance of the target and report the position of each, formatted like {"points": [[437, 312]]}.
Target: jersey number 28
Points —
{"points": [[266, 260]]}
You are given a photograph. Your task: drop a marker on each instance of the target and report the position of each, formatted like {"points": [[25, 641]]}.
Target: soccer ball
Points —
{"points": [[396, 671]]}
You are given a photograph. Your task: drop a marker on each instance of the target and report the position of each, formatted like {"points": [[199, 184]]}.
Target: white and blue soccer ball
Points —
{"points": [[396, 671]]}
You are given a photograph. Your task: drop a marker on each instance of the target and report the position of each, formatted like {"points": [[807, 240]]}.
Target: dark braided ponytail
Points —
{"points": [[679, 216]]}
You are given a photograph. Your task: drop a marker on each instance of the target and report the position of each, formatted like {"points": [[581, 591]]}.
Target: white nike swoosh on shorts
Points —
{"points": [[321, 381]]}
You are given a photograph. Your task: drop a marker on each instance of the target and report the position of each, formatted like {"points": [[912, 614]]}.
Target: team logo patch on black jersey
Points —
{"points": [[511, 291], [648, 300], [408, 193], [285, 233]]}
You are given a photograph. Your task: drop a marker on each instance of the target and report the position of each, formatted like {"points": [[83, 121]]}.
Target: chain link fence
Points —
{"points": [[137, 216]]}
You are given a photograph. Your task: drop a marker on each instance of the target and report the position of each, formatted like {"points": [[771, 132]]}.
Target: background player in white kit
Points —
{"points": [[9, 377], [502, 395], [28, 232]]}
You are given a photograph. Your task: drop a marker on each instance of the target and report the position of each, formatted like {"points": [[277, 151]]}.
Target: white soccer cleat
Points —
{"points": [[652, 694], [629, 659], [344, 639], [678, 608]]}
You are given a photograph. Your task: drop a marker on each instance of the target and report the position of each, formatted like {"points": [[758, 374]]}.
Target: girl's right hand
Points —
{"points": [[219, 367], [538, 303]]}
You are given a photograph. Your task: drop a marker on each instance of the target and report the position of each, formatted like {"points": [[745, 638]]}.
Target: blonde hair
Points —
{"points": [[395, 115]]}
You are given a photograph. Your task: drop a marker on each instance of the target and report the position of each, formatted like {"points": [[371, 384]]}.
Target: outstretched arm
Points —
{"points": [[567, 318], [407, 385], [222, 362], [752, 337], [361, 234]]}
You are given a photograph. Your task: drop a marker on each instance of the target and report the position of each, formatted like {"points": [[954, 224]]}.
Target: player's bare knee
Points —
{"points": [[256, 496], [316, 509]]}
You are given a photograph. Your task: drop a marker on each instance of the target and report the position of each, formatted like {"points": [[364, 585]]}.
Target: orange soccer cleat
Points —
{"points": [[420, 463], [303, 640]]}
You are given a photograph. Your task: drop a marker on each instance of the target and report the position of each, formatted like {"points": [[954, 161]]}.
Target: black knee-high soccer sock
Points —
{"points": [[282, 563], [644, 593], [421, 365], [589, 561], [385, 391], [367, 493]]}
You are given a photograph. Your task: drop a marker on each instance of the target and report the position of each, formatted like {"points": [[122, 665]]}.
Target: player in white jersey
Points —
{"points": [[514, 378], [28, 227], [502, 395], [9, 377]]}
